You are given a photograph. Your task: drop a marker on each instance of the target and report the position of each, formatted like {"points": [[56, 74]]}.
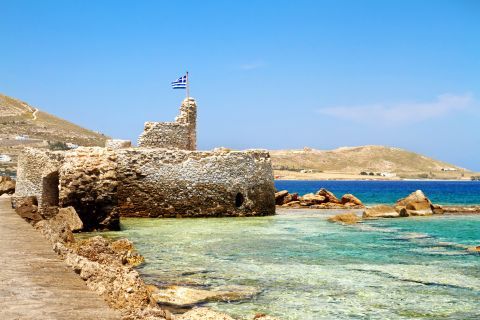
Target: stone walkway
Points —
{"points": [[34, 282]]}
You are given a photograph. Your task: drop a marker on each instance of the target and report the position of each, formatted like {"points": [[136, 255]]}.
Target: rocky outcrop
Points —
{"points": [[346, 218], [350, 198], [415, 204], [329, 196], [7, 185], [117, 144], [461, 209], [381, 211], [322, 199]]}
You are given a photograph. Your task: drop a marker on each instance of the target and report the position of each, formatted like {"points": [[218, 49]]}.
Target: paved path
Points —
{"points": [[34, 282]]}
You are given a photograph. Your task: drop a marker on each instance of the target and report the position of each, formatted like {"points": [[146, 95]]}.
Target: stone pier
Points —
{"points": [[34, 282]]}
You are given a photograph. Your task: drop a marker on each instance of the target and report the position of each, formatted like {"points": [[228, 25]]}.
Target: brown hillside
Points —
{"points": [[353, 160], [36, 128]]}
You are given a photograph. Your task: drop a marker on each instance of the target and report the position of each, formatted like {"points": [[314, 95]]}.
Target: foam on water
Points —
{"points": [[308, 268]]}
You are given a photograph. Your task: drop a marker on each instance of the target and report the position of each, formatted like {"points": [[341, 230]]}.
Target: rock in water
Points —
{"points": [[348, 218], [203, 314], [7, 185], [311, 199], [350, 198], [415, 204], [279, 196], [329, 196], [380, 211]]}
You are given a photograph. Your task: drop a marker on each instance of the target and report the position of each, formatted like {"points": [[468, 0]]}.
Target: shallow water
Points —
{"points": [[308, 268], [387, 192]]}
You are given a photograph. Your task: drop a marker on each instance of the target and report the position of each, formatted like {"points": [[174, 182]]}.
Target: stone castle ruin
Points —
{"points": [[163, 177]]}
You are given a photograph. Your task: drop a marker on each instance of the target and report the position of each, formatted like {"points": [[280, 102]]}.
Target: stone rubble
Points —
{"points": [[322, 199]]}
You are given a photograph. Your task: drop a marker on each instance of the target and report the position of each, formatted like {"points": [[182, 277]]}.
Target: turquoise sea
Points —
{"points": [[387, 192], [307, 268]]}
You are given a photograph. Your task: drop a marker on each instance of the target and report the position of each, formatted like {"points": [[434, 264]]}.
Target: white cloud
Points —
{"points": [[400, 113]]}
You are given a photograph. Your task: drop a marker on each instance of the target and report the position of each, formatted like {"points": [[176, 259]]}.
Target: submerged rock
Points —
{"points": [[380, 211], [203, 314], [348, 218], [187, 296]]}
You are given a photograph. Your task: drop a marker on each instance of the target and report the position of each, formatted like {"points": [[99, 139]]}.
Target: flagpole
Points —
{"points": [[188, 92]]}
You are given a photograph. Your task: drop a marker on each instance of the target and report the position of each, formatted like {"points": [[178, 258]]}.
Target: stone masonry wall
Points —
{"points": [[180, 134], [88, 182], [170, 183], [38, 175], [103, 183]]}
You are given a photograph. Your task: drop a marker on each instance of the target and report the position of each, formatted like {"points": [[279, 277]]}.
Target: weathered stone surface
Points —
{"points": [[55, 231], [170, 183], [350, 198], [290, 197], [117, 144], [204, 314], [27, 208], [312, 199], [70, 216], [187, 296], [380, 211], [329, 196], [37, 175], [280, 196], [416, 204], [88, 182], [7, 185], [347, 218], [437, 209], [180, 134]]}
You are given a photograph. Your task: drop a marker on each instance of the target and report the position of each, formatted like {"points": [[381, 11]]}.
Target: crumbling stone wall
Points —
{"points": [[103, 183], [180, 134], [38, 175], [117, 143], [88, 182], [170, 183]]}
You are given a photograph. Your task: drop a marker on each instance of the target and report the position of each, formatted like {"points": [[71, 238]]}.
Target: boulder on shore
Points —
{"points": [[7, 185], [71, 218], [347, 218], [27, 208], [203, 314], [380, 211]]}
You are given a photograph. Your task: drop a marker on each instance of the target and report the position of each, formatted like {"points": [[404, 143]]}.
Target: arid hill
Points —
{"points": [[24, 125], [371, 161]]}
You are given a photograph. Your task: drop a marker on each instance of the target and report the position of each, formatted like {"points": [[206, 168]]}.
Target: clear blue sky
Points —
{"points": [[268, 74]]}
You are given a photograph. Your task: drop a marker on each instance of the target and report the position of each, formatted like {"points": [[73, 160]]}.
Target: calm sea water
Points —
{"points": [[308, 268], [387, 192]]}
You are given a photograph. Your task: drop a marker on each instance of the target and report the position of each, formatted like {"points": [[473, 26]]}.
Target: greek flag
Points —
{"points": [[181, 83]]}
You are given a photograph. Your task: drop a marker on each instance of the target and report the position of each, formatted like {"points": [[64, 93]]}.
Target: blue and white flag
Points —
{"points": [[181, 83]]}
